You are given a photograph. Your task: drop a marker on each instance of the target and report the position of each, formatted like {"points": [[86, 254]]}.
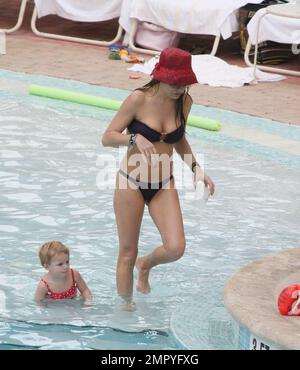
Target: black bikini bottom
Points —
{"points": [[148, 190]]}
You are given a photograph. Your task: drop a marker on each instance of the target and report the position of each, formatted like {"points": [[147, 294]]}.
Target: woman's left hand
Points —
{"points": [[199, 175]]}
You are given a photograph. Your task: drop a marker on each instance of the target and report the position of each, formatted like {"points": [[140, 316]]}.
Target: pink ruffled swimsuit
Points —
{"points": [[70, 293]]}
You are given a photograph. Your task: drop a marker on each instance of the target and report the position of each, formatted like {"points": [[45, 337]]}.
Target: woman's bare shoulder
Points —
{"points": [[137, 96]]}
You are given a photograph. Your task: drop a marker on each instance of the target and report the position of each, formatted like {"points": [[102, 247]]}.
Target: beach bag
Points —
{"points": [[269, 52], [151, 36]]}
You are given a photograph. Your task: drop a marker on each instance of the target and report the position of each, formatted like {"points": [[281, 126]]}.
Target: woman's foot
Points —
{"points": [[142, 285], [128, 306]]}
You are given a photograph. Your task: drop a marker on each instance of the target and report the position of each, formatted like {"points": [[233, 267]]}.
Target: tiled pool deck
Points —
{"points": [[31, 54]]}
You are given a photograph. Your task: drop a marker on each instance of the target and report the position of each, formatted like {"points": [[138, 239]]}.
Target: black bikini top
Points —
{"points": [[138, 127]]}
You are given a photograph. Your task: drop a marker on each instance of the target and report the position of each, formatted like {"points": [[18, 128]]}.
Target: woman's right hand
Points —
{"points": [[147, 149]]}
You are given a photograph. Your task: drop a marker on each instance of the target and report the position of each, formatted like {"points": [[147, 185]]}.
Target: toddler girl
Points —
{"points": [[61, 281]]}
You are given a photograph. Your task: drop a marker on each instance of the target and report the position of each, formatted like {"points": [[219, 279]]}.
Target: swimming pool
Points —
{"points": [[49, 151]]}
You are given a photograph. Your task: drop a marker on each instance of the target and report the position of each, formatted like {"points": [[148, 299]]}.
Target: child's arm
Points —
{"points": [[41, 292], [82, 286]]}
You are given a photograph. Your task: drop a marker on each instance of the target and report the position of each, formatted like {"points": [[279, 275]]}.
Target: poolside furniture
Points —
{"points": [[78, 10], [216, 17], [20, 19], [279, 23]]}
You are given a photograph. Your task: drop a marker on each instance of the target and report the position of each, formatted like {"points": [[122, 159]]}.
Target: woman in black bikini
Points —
{"points": [[155, 118]]}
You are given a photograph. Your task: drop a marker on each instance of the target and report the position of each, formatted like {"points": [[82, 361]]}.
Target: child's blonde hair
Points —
{"points": [[50, 249]]}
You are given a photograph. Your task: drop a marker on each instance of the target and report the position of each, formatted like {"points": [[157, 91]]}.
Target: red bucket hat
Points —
{"points": [[174, 67]]}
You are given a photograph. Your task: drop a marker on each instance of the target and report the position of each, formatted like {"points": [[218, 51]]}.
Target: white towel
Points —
{"points": [[79, 10], [274, 28], [204, 17], [216, 72]]}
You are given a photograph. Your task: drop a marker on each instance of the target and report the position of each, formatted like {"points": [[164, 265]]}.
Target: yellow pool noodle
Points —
{"points": [[97, 101]]}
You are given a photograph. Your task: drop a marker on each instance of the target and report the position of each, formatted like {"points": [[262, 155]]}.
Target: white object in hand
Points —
{"points": [[202, 193], [2, 42]]}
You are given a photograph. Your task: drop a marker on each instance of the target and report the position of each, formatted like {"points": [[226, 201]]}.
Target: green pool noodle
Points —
{"points": [[49, 92], [205, 123], [97, 101]]}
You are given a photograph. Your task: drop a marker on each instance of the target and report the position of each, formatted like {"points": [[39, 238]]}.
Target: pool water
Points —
{"points": [[49, 163]]}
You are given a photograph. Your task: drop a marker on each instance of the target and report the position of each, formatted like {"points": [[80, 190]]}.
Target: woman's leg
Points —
{"points": [[165, 211], [129, 208]]}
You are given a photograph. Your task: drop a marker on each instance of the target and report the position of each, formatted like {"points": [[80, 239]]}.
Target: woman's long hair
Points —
{"points": [[179, 115]]}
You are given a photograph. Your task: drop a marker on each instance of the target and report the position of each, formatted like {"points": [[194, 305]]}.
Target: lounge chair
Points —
{"points": [[216, 17], [20, 18], [279, 23], [78, 10]]}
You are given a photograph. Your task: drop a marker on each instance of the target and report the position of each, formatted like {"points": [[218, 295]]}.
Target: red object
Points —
{"points": [[174, 67], [287, 297]]}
